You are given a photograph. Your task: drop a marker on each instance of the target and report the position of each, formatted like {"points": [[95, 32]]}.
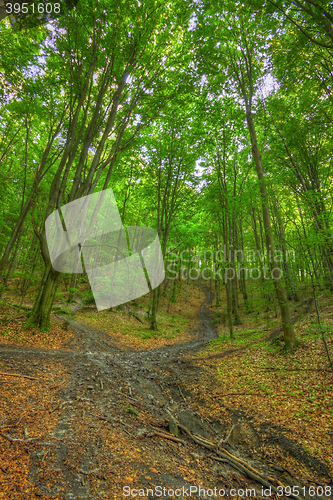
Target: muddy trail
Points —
{"points": [[129, 419]]}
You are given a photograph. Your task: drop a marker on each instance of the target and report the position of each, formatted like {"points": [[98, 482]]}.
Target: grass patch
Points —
{"points": [[223, 342]]}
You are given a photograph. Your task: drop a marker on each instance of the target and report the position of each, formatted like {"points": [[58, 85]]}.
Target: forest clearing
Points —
{"points": [[166, 249]]}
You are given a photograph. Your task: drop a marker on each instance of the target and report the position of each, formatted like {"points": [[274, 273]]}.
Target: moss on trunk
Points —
{"points": [[41, 312]]}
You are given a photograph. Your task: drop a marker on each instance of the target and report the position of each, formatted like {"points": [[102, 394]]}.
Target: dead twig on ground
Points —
{"points": [[129, 434], [19, 420], [273, 369], [15, 318], [57, 385], [225, 441], [17, 440], [99, 496], [181, 393], [136, 317], [18, 375], [238, 394]]}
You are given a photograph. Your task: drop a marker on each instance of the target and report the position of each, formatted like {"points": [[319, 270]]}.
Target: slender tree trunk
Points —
{"points": [[234, 282], [288, 331], [150, 303], [72, 285], [309, 249], [11, 264], [217, 281], [14, 235], [27, 284], [265, 294], [41, 312], [228, 282], [153, 325], [290, 283], [242, 272]]}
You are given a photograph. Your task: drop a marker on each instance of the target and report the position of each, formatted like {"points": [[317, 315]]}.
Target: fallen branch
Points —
{"points": [[18, 375], [225, 441], [98, 494], [129, 434], [180, 392], [58, 385], [15, 318], [238, 394], [165, 436], [245, 471], [8, 304], [19, 420], [240, 463], [271, 368], [235, 462], [251, 473], [16, 440], [134, 399], [136, 317]]}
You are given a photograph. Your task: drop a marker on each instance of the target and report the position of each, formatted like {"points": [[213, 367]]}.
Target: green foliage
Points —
{"points": [[156, 98], [132, 411], [88, 298]]}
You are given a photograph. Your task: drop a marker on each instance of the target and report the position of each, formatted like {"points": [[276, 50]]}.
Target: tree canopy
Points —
{"points": [[211, 122]]}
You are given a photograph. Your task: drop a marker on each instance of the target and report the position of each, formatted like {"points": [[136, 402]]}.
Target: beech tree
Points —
{"points": [[114, 64], [211, 122], [232, 40]]}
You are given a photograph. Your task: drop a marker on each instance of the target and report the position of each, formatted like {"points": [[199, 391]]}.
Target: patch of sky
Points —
{"points": [[137, 119], [269, 85], [60, 140], [193, 23], [200, 167]]}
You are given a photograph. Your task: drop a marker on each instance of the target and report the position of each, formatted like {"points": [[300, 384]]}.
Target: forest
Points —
{"points": [[208, 125]]}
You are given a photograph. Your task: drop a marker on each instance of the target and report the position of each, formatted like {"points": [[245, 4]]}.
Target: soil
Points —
{"points": [[87, 416]]}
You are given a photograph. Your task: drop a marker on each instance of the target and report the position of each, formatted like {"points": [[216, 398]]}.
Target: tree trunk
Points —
{"points": [[288, 331], [153, 324], [229, 309], [15, 233], [289, 279], [234, 283], [72, 285], [228, 282], [41, 312]]}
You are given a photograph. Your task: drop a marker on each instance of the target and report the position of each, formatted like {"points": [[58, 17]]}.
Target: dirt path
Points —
{"points": [[111, 397]]}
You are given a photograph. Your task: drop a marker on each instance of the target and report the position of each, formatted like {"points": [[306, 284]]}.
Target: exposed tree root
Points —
{"points": [[235, 462], [165, 436]]}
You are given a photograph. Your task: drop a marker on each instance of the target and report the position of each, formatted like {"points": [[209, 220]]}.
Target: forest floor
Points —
{"points": [[86, 410]]}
